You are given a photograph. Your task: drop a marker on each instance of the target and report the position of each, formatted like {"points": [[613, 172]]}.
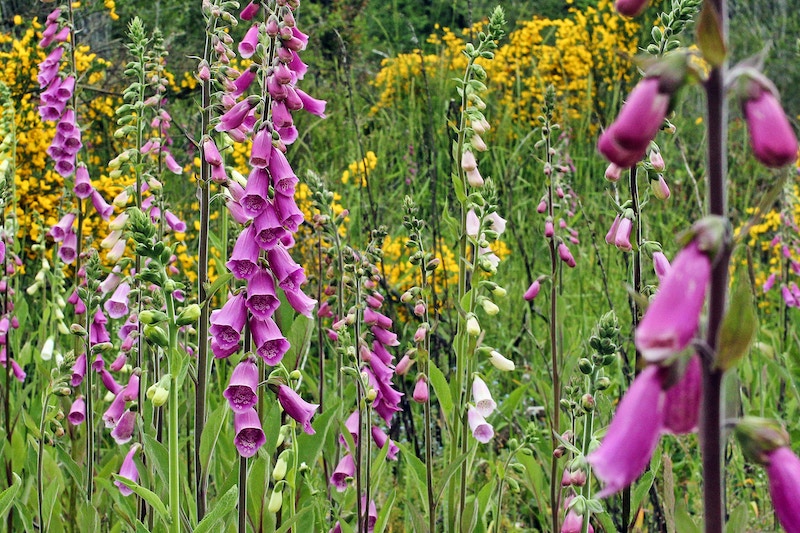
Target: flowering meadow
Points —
{"points": [[309, 265]]}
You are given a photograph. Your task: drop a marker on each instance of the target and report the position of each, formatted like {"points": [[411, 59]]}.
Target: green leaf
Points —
{"points": [[299, 338], [211, 432], [286, 526], [386, 510], [221, 281], [442, 390], [217, 512], [642, 488], [710, 39], [684, 521], [147, 495], [607, 523], [417, 468], [309, 446], [738, 521], [69, 464], [445, 476], [738, 327], [458, 187], [8, 495], [158, 454]]}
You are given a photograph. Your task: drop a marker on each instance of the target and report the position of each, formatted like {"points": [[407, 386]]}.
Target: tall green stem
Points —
{"points": [[174, 404]]}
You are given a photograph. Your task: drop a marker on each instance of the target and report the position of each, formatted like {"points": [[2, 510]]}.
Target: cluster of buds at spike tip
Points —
{"points": [[772, 138], [626, 141]]}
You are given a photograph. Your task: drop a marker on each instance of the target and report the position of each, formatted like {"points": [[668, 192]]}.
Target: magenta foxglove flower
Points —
{"points": [[670, 323], [533, 290], [622, 237], [682, 400], [128, 470], [404, 365], [269, 341], [381, 438], [289, 274], [482, 397], [67, 252], [783, 471], [481, 429], [573, 523], [420, 394], [104, 209], [63, 227], [77, 412], [248, 45], [284, 179], [631, 8], [235, 116], [227, 323], [261, 152], [297, 408], [256, 195], [78, 370], [249, 434], [661, 265], [345, 469], [771, 136], [632, 435], [625, 142], [566, 255], [117, 305], [244, 257], [261, 299], [83, 184], [249, 11], [312, 105], [123, 431], [242, 391]]}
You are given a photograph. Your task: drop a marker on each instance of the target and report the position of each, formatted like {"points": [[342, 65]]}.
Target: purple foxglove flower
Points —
{"points": [[290, 275], [622, 238], [631, 8], [481, 429], [63, 227], [244, 257], [533, 290], [549, 230], [261, 299], [77, 412], [661, 265], [783, 471], [374, 318], [234, 117], [420, 394], [249, 434], [65, 90], [110, 383], [243, 82], [771, 136], [281, 117], [123, 431], [78, 370], [312, 105], [296, 65], [381, 352], [269, 230], [256, 193], [671, 321], [117, 305], [177, 225], [283, 177], [352, 426], [625, 142], [372, 513], [288, 213], [65, 167], [262, 149], [381, 438], [120, 361], [404, 365], [211, 153], [682, 400], [128, 470], [385, 337], [104, 209], [220, 351], [249, 43], [131, 391], [297, 408], [242, 391], [573, 523], [66, 127], [301, 302], [566, 255], [788, 297], [218, 174], [97, 329], [345, 469], [250, 11], [227, 323], [482, 397], [171, 164], [270, 343], [632, 435]]}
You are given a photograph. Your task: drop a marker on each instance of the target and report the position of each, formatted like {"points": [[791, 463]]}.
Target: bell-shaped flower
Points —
{"points": [[269, 341], [117, 305], [297, 408], [283, 177], [783, 471], [249, 435], [83, 188], [482, 397], [256, 195], [682, 400], [344, 470], [631, 8], [670, 323], [771, 136], [301, 302], [381, 438], [249, 43], [77, 411], [128, 470], [632, 435], [242, 390], [312, 105], [268, 228], [123, 431], [227, 323], [290, 275], [420, 394], [261, 299], [481, 429], [63, 227], [661, 265], [244, 257]]}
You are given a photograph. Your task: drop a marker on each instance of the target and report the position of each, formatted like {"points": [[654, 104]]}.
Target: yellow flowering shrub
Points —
{"points": [[576, 54], [361, 168]]}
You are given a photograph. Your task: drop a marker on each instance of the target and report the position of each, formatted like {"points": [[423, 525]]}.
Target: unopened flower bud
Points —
{"points": [[585, 366], [275, 501], [189, 315], [473, 327]]}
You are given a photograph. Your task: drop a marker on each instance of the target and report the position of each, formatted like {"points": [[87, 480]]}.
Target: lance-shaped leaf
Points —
{"points": [[738, 327], [709, 35]]}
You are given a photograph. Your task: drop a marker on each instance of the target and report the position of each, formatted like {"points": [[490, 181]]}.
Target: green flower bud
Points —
{"points": [[275, 501], [188, 315], [156, 335], [585, 366]]}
